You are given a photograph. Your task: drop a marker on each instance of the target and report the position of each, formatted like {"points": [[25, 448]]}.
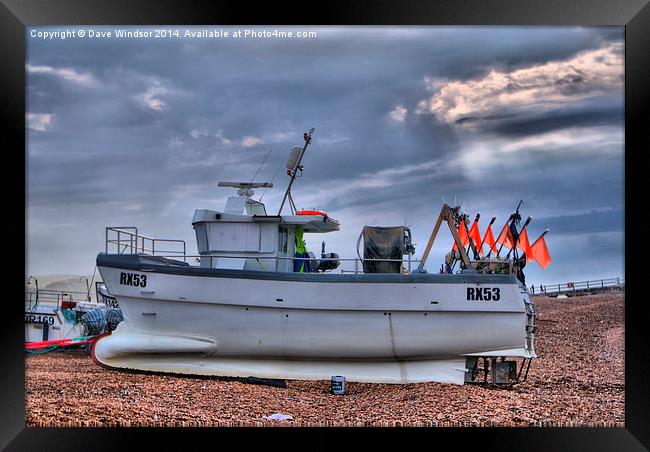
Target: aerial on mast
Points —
{"points": [[245, 191], [245, 188], [293, 166]]}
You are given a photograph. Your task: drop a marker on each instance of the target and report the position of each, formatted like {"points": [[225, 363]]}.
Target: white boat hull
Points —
{"points": [[371, 328], [45, 321]]}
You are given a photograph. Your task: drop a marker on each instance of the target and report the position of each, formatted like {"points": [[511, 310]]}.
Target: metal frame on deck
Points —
{"points": [[136, 243], [481, 265]]}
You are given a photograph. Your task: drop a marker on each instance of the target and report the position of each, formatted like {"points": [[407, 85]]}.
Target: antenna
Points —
{"points": [[293, 166], [245, 188], [272, 179], [261, 165]]}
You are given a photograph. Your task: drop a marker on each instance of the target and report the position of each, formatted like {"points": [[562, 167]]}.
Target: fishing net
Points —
{"points": [[113, 317], [94, 322]]}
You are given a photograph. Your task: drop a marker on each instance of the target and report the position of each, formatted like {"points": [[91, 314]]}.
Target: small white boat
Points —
{"points": [[244, 311], [52, 314]]}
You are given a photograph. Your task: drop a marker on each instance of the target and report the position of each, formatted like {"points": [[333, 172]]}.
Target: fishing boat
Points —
{"points": [[258, 304], [54, 316]]}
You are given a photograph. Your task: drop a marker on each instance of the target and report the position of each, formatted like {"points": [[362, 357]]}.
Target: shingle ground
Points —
{"points": [[577, 380]]}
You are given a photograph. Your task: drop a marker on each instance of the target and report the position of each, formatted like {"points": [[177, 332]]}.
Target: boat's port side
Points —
{"points": [[286, 332]]}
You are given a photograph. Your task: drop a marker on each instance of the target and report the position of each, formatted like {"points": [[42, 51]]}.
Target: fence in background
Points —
{"points": [[592, 286]]}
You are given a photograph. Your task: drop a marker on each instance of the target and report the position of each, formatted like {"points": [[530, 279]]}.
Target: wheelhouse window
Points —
{"points": [[283, 239]]}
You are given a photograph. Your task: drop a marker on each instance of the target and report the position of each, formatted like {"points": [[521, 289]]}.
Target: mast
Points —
{"points": [[293, 171]]}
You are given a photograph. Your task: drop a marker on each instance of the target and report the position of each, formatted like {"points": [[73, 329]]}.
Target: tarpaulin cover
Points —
{"points": [[383, 243]]}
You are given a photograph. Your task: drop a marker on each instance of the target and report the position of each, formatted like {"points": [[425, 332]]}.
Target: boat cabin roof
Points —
{"points": [[309, 223]]}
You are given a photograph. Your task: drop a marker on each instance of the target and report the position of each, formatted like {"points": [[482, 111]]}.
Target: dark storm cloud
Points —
{"points": [[141, 130], [517, 126], [585, 223]]}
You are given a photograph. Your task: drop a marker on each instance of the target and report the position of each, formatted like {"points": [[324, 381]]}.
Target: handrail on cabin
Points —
{"points": [[136, 243]]}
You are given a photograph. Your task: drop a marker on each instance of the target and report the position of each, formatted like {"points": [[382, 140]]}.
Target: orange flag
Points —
{"points": [[489, 239], [540, 252], [524, 245], [462, 233], [475, 235], [505, 237]]}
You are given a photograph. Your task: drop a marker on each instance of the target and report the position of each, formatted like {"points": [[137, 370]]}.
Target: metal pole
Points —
{"points": [[471, 245], [293, 174], [501, 247], [528, 220], [483, 240]]}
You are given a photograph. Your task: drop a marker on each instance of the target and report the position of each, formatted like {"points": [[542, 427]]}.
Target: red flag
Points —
{"points": [[462, 233], [540, 252], [475, 235], [505, 237], [524, 245], [489, 239]]}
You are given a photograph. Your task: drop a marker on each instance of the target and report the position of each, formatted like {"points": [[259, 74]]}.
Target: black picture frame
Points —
{"points": [[16, 15]]}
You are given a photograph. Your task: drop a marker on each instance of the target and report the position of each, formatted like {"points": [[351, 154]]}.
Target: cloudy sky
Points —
{"points": [[126, 131]]}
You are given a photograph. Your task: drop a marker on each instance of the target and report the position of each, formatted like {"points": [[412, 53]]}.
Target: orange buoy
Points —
{"points": [[312, 212]]}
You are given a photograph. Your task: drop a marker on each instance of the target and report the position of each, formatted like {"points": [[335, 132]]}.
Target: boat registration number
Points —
{"points": [[483, 293], [39, 318], [133, 279]]}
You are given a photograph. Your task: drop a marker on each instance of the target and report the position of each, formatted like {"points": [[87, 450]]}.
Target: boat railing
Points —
{"points": [[277, 259], [127, 240], [357, 262], [37, 297]]}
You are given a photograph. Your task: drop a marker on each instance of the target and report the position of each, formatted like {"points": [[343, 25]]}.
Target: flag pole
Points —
{"points": [[528, 220], [483, 240], [542, 235], [513, 216], [471, 244], [507, 224]]}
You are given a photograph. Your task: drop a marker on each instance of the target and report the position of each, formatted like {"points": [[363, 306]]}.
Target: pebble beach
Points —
{"points": [[577, 380]]}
